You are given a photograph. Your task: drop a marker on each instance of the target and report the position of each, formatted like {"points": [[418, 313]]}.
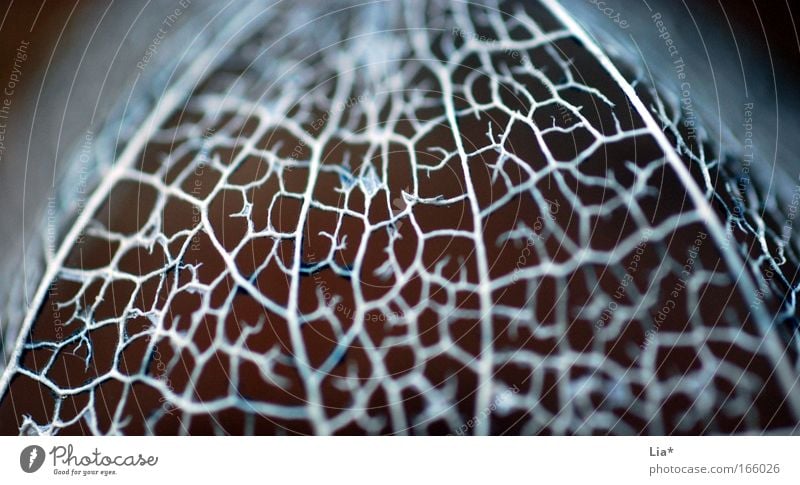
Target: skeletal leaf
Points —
{"points": [[415, 217]]}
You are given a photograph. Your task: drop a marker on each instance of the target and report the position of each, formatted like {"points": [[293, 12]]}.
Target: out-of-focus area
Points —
{"points": [[63, 66], [732, 52]]}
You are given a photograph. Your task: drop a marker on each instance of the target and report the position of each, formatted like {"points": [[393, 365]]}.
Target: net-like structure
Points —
{"points": [[411, 217]]}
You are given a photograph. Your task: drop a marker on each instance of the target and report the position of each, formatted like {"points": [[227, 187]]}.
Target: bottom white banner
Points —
{"points": [[401, 460]]}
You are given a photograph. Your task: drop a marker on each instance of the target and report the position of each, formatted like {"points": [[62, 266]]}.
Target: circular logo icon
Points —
{"points": [[31, 458]]}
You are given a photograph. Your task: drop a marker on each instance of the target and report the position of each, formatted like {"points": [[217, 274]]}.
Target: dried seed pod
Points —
{"points": [[416, 217]]}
